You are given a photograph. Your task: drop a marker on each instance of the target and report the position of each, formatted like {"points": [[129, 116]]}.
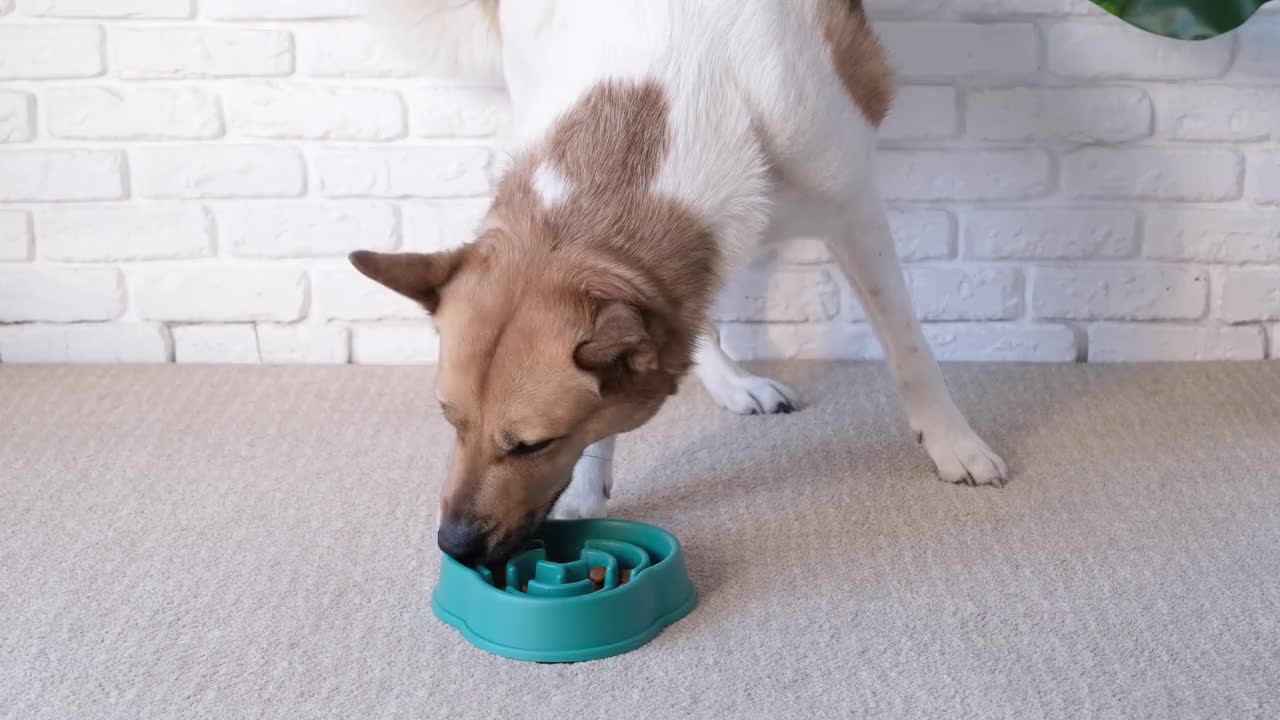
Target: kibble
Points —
{"points": [[596, 574], [626, 576]]}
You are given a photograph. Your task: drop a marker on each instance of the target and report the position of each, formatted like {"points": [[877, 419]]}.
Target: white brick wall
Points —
{"points": [[180, 180]]}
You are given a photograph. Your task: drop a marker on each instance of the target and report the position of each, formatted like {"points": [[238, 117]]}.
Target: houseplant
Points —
{"points": [[1183, 19]]}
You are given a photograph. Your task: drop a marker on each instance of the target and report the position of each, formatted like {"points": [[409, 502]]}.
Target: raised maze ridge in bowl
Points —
{"points": [[534, 574]]}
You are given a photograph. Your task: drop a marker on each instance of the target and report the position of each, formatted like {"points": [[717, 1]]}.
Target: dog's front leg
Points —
{"points": [[591, 484], [865, 251], [733, 387]]}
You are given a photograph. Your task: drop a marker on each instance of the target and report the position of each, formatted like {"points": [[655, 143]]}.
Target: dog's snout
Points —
{"points": [[462, 540]]}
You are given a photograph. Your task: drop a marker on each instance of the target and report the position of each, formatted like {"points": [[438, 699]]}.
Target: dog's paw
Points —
{"points": [[962, 457], [752, 395]]}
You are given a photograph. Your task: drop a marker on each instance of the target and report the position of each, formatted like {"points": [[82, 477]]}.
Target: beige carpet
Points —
{"points": [[184, 542]]}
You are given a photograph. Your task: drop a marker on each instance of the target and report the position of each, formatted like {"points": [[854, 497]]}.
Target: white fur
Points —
{"points": [[735, 388], [591, 484], [550, 185], [766, 144]]}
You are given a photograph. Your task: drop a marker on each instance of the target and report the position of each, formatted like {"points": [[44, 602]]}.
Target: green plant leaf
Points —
{"points": [[1183, 19]]}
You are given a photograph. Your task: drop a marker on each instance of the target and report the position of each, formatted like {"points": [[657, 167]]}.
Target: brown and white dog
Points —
{"points": [[658, 146]]}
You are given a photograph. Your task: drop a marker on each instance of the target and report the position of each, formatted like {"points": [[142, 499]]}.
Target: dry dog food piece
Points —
{"points": [[626, 576], [596, 574], [524, 588]]}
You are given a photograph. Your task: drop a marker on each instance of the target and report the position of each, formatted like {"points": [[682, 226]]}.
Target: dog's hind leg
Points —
{"points": [[819, 86], [591, 485], [733, 387]]}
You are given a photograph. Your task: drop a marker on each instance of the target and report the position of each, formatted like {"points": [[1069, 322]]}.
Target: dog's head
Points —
{"points": [[539, 358]]}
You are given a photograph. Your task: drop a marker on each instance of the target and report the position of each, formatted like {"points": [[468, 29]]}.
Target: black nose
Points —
{"points": [[461, 540]]}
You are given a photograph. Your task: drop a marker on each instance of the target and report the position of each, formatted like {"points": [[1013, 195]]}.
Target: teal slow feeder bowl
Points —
{"points": [[545, 607]]}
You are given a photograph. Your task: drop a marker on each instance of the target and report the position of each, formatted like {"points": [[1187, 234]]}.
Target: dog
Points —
{"points": [[657, 148]]}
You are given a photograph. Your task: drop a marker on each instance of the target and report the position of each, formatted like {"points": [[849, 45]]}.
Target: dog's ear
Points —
{"points": [[417, 276], [618, 340]]}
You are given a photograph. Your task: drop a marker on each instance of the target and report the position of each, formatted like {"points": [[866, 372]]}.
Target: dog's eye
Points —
{"points": [[529, 449]]}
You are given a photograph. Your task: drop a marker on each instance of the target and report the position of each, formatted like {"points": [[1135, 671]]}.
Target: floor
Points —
{"points": [[217, 542]]}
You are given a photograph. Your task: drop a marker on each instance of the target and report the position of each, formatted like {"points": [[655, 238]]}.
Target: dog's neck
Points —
{"points": [[583, 201]]}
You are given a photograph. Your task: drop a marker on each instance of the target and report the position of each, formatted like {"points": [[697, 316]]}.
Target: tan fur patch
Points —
{"points": [[614, 139], [858, 58], [608, 268], [610, 237]]}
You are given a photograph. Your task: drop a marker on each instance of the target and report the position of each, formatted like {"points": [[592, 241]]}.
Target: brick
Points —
{"points": [[1131, 292], [54, 175], [351, 50], [84, 343], [200, 52], [1050, 234], [213, 293], [124, 9], [17, 117], [230, 344], [218, 171], [956, 342], [958, 50], [441, 224], [959, 292], [953, 293], [282, 9], [59, 294], [340, 292], [917, 234], [1249, 295], [796, 341], [394, 344], [922, 113], [1259, 53], [1094, 114], [1186, 112], [966, 293], [897, 8], [15, 235], [459, 112], [779, 296], [1132, 53], [120, 113], [964, 175], [403, 172], [1001, 342], [304, 344], [124, 232], [1264, 177], [1217, 236], [314, 112], [1006, 8], [306, 229], [1173, 343], [1148, 173], [923, 234], [49, 52]]}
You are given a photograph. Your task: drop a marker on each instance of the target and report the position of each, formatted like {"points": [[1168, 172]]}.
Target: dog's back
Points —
{"points": [[543, 49], [744, 80]]}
